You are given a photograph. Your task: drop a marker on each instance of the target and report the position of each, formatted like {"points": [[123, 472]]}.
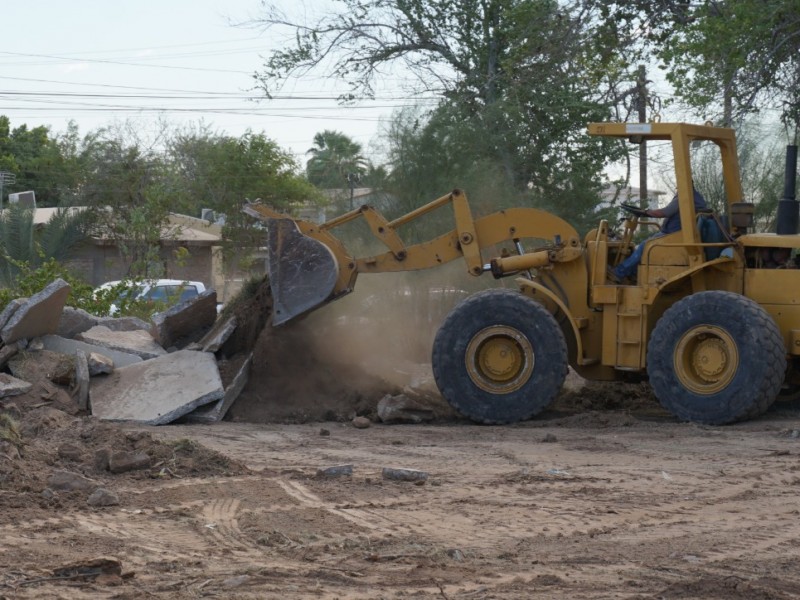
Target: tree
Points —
{"points": [[335, 160], [124, 183], [727, 58], [208, 170], [23, 246], [517, 80], [35, 158]]}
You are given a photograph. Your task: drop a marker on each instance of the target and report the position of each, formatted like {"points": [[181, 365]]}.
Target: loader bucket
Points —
{"points": [[302, 271]]}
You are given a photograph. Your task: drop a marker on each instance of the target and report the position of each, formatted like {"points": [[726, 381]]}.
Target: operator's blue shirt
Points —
{"points": [[672, 222]]}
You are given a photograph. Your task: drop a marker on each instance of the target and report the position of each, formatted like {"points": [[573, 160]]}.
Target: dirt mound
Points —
{"points": [[293, 381], [39, 438], [295, 376]]}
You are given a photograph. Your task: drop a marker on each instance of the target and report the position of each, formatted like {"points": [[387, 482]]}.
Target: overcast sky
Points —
{"points": [[101, 61]]}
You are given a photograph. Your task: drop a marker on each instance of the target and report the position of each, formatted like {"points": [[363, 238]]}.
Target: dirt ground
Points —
{"points": [[603, 496]]}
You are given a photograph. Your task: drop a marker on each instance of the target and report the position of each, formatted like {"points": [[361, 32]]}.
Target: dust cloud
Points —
{"points": [[340, 360]]}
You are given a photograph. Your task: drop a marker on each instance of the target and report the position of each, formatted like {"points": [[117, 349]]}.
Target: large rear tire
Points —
{"points": [[716, 357], [499, 357]]}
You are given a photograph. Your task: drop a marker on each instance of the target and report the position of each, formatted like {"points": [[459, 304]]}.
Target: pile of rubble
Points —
{"points": [[121, 369]]}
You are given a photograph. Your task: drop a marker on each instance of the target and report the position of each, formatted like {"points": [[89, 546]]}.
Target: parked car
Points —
{"points": [[163, 292]]}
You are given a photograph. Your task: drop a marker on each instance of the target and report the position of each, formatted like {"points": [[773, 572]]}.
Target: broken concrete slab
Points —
{"points": [[123, 323], [138, 342], [402, 409], [82, 380], [10, 309], [122, 462], [99, 364], [60, 344], [337, 471], [68, 481], [6, 352], [39, 315], [404, 474], [157, 391], [74, 321], [218, 335], [216, 412], [11, 386], [102, 497], [185, 322]]}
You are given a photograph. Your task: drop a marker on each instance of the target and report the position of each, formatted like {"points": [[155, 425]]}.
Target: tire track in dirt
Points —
{"points": [[364, 518]]}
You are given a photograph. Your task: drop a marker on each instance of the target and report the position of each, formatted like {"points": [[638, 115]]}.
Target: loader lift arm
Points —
{"points": [[308, 266]]}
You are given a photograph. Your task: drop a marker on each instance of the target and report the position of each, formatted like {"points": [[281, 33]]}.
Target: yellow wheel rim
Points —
{"points": [[499, 359], [706, 359]]}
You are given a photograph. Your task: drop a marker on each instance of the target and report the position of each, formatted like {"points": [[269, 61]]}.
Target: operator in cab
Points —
{"points": [[672, 223]]}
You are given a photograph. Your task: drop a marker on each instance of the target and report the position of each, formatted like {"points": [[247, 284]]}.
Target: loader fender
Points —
{"points": [[538, 292], [717, 263]]}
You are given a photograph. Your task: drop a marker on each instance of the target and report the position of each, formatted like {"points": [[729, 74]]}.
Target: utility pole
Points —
{"points": [[641, 101]]}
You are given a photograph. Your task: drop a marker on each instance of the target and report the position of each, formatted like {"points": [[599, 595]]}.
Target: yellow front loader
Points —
{"points": [[712, 318]]}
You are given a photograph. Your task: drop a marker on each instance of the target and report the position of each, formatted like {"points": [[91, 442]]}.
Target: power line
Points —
{"points": [[116, 62]]}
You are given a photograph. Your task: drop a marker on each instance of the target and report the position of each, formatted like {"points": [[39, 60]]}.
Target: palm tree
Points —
{"points": [[336, 160], [21, 243]]}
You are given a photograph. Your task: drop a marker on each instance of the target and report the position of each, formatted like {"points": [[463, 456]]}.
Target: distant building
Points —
{"points": [[630, 195], [99, 259]]}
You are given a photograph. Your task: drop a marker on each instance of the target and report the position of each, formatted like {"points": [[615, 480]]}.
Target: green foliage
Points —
{"points": [[726, 58], [335, 161], [34, 158], [206, 170], [32, 280], [761, 162], [22, 243], [518, 81], [9, 430]]}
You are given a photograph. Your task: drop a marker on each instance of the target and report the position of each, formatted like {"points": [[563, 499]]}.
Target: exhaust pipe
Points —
{"points": [[788, 207]]}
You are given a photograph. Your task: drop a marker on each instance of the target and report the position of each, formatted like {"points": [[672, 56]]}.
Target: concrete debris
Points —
{"points": [[216, 412], [6, 352], [123, 323], [39, 315], [138, 342], [11, 386], [122, 462], [402, 409], [337, 471], [81, 394], [70, 452], [99, 364], [404, 474], [219, 334], [74, 321], [102, 497], [157, 391], [361, 422], [60, 344], [9, 311], [70, 482], [176, 325], [93, 569]]}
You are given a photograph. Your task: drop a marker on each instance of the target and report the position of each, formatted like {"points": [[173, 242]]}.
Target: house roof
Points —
{"points": [[180, 228]]}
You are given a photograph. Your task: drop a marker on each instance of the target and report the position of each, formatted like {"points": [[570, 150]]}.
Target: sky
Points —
{"points": [[100, 62]]}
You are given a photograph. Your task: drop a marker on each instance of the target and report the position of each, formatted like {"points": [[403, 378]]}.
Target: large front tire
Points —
{"points": [[499, 357], [715, 358]]}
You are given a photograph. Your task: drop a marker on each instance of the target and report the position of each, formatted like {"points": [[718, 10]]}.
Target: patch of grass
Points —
{"points": [[9, 430], [184, 445]]}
